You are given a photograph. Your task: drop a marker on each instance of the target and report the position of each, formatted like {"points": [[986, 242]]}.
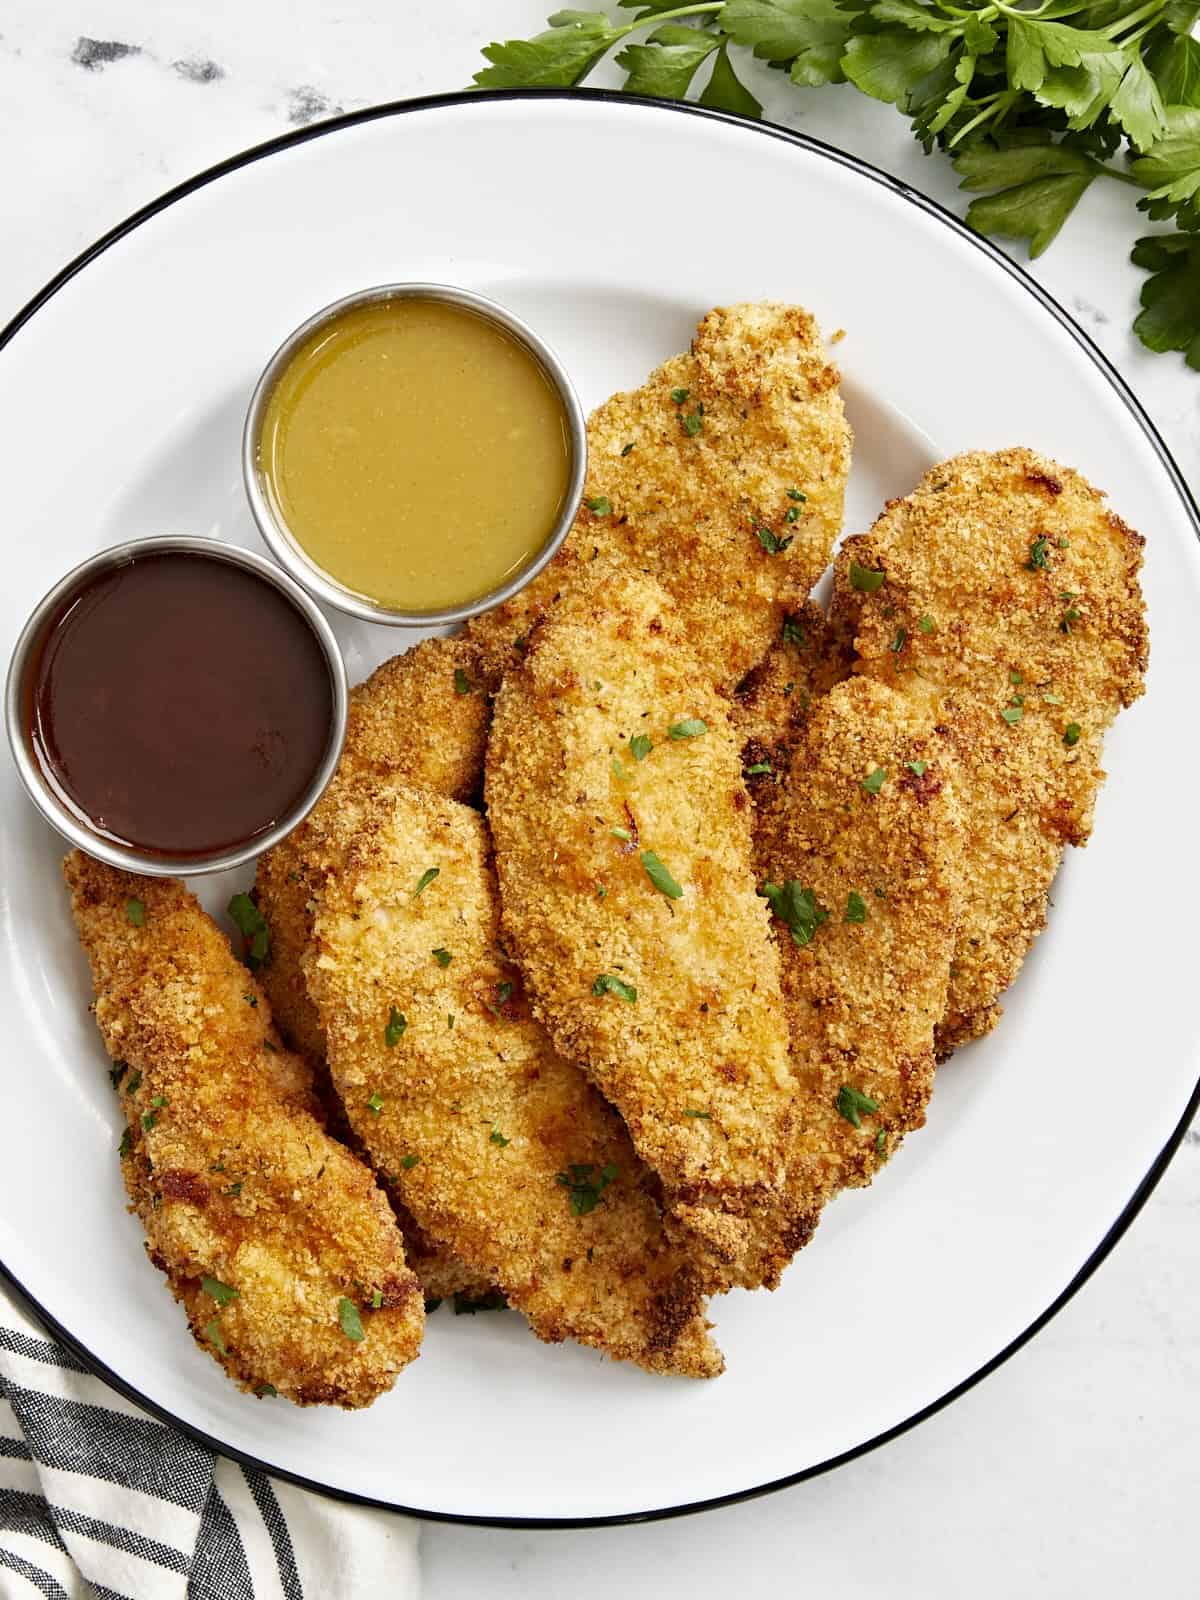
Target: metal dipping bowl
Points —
{"points": [[40, 787], [292, 556]]}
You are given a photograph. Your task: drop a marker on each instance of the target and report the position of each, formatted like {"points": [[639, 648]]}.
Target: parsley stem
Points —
{"points": [[650, 19], [1149, 9]]}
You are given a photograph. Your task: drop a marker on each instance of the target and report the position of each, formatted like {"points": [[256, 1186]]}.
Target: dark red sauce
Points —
{"points": [[181, 704]]}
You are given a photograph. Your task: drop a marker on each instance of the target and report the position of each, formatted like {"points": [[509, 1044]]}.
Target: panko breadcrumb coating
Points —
{"points": [[862, 824], [774, 697], [723, 476], [496, 1144], [613, 775], [1011, 592], [274, 1238], [423, 716]]}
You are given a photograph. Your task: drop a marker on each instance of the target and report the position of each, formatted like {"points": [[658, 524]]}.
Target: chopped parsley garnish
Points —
{"points": [[251, 1000], [794, 494], [917, 768], [442, 957], [266, 1391], [864, 579], [1052, 699], [771, 542], [135, 912], [117, 1071], [758, 769], [584, 1190], [496, 1137], [409, 1162], [462, 684], [396, 1024], [796, 906], [680, 395], [793, 633], [856, 907], [621, 833], [690, 1111], [898, 642], [791, 514], [252, 926], [852, 1105], [618, 771], [640, 746], [601, 505], [234, 1189], [222, 1293], [134, 1084], [212, 1331], [660, 877], [880, 1141], [150, 1118], [350, 1320], [126, 1144], [625, 449], [1070, 615], [375, 1103], [503, 993], [520, 644], [692, 423], [1039, 555], [1072, 733], [376, 1299], [1013, 714], [425, 880], [925, 624], [689, 728], [874, 781], [1015, 677], [607, 984]]}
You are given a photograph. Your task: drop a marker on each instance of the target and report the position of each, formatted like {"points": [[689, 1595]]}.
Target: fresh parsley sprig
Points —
{"points": [[1033, 100]]}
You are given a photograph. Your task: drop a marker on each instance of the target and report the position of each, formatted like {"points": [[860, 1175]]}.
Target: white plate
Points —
{"points": [[611, 226]]}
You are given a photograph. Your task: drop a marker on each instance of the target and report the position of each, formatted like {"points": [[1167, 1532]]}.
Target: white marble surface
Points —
{"points": [[1074, 1469]]}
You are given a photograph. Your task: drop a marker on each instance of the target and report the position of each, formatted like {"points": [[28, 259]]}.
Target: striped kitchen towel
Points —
{"points": [[97, 1499]]}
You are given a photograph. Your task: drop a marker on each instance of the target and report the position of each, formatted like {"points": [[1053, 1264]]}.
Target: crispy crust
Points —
{"points": [[863, 997], [483, 1111], [227, 1166], [706, 1033], [963, 551], [684, 507], [774, 697]]}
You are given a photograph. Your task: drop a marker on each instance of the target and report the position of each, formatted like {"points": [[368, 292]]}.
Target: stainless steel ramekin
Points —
{"points": [[18, 687], [278, 537]]}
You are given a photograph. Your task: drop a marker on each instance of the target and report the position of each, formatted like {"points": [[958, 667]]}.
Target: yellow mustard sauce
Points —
{"points": [[417, 453]]}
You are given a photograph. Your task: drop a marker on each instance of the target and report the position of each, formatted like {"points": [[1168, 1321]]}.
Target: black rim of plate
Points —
{"points": [[992, 252]]}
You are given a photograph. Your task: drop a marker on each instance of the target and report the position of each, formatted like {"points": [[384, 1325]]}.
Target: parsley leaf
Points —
{"points": [[680, 395], [1170, 314], [442, 957], [640, 746], [375, 1103], [135, 912], [252, 926], [1037, 188], [396, 1024], [704, 1116], [725, 91], [425, 880], [692, 423], [917, 768], [666, 64], [689, 728], [793, 633], [601, 505], [1071, 734], [607, 984], [583, 1190], [856, 907], [350, 1320], [212, 1332], [796, 906], [811, 35], [864, 579], [556, 59], [462, 684], [771, 542], [221, 1292], [496, 1137], [1012, 715], [851, 1104], [409, 1162], [874, 781], [758, 768], [660, 877]]}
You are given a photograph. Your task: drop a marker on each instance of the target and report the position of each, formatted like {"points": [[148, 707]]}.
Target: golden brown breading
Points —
{"points": [[1012, 594], [266, 1229], [773, 697], [412, 718], [763, 401], [867, 986], [581, 812], [496, 1144]]}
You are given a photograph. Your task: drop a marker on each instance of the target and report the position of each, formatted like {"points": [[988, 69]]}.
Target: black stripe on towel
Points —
{"points": [[220, 1570], [23, 1344], [281, 1539], [49, 1585]]}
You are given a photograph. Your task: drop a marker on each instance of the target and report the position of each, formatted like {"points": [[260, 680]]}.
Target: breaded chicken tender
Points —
{"points": [[1004, 586], [274, 1238], [859, 837], [422, 715], [723, 476], [773, 697], [622, 833], [497, 1145]]}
